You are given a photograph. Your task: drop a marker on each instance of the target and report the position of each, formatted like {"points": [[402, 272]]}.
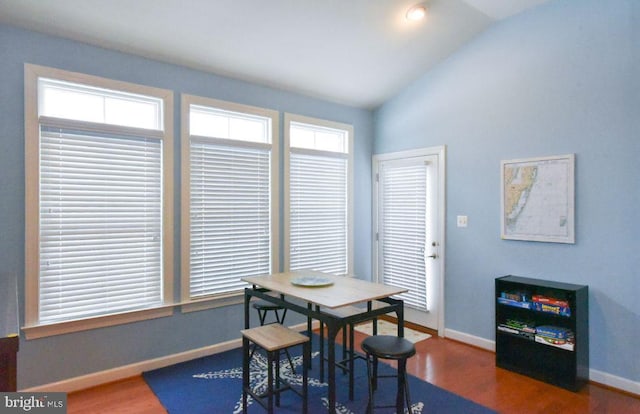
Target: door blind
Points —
{"points": [[100, 216], [318, 212], [230, 215], [403, 229]]}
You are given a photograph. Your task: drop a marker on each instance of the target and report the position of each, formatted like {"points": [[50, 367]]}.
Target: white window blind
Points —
{"points": [[100, 223], [230, 215], [403, 229], [231, 205], [318, 224]]}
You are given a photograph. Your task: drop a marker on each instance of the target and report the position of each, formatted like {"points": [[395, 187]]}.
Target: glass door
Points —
{"points": [[409, 201]]}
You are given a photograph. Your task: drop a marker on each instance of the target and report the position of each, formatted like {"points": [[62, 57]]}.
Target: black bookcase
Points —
{"points": [[542, 330]]}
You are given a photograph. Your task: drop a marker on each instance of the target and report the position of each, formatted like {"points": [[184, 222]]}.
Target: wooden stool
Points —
{"points": [[394, 348], [263, 306], [273, 338]]}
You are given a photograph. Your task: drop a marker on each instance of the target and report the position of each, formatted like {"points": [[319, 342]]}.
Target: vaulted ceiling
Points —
{"points": [[355, 52]]}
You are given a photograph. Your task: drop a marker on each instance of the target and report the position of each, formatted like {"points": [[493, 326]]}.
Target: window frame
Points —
{"points": [[33, 328], [212, 301], [290, 118]]}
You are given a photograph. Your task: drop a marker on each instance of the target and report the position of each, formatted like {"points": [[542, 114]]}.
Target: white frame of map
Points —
{"points": [[562, 198]]}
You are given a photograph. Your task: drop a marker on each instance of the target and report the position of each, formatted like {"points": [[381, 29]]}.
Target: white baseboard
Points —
{"points": [[131, 370], [609, 380], [613, 381], [126, 371], [470, 339]]}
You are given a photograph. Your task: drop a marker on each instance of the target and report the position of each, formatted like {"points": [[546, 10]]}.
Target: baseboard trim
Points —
{"points": [[595, 376], [615, 382], [126, 371], [468, 339]]}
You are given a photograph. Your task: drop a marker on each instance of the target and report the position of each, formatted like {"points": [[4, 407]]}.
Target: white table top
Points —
{"points": [[343, 291]]}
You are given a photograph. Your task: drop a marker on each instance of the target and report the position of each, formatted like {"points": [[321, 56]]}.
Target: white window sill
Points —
{"points": [[212, 302], [59, 328]]}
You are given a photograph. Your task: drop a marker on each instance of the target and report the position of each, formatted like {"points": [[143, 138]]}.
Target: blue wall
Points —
{"points": [[47, 360], [562, 78]]}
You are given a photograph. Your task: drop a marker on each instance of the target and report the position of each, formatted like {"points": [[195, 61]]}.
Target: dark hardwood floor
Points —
{"points": [[459, 368]]}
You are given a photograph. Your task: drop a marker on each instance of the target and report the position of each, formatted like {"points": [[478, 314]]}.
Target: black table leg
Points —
{"points": [[247, 300], [400, 315], [321, 344], [332, 331], [310, 328], [352, 353]]}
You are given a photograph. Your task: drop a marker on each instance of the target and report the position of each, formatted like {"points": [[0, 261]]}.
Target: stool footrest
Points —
{"points": [[344, 363], [386, 406], [284, 386]]}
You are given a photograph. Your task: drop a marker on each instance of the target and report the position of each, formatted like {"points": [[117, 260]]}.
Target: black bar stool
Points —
{"points": [[394, 348], [263, 307], [273, 338]]}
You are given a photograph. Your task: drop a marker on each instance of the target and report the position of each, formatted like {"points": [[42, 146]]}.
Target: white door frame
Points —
{"points": [[440, 153]]}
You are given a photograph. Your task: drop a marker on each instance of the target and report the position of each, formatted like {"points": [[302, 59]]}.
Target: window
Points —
{"points": [[98, 213], [319, 212], [229, 221]]}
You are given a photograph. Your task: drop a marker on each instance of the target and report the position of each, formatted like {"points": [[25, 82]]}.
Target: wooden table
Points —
{"points": [[342, 291]]}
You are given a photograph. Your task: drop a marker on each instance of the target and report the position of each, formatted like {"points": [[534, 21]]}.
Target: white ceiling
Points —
{"points": [[356, 52]]}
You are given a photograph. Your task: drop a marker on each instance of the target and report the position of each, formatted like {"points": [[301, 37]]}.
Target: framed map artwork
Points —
{"points": [[538, 199]]}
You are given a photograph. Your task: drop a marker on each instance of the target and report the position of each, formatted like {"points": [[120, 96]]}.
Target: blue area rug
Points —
{"points": [[213, 384]]}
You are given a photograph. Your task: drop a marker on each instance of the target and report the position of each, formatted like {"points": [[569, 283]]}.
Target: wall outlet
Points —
{"points": [[462, 221]]}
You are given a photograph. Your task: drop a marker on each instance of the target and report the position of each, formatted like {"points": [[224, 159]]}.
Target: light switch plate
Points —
{"points": [[462, 221]]}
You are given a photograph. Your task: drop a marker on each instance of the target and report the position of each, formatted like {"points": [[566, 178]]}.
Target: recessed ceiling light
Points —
{"points": [[417, 12]]}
